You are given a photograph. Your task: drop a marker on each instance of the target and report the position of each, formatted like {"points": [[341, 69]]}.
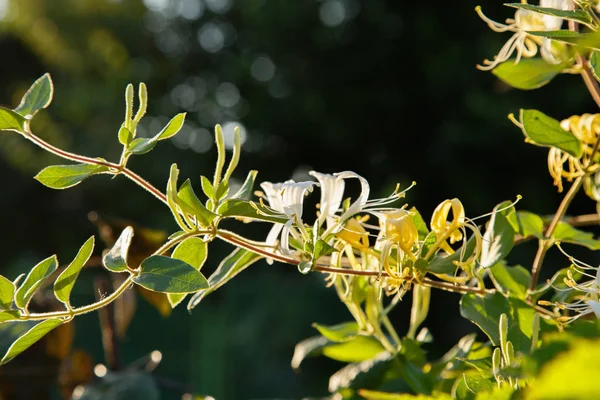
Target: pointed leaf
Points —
{"points": [[527, 224], [66, 176], [245, 192], [11, 121], [29, 338], [7, 292], [572, 15], [233, 264], [355, 350], [446, 264], [33, 280], [338, 333], [310, 347], [566, 233], [125, 136], [527, 74], [545, 131], [499, 237], [66, 280], [38, 97], [207, 187], [141, 145], [595, 64], [242, 209], [116, 259], [193, 251], [171, 129], [168, 275], [222, 191], [190, 204], [587, 40], [512, 281], [11, 315]]}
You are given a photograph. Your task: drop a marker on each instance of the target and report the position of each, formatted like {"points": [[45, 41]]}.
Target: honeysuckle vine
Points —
{"points": [[371, 251]]}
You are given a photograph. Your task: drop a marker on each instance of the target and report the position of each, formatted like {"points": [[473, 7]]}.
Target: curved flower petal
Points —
{"points": [[273, 193], [361, 201], [292, 197], [332, 192]]}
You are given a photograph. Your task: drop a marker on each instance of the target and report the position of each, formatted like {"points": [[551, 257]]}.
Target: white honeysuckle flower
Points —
{"points": [[286, 198], [332, 193], [525, 44]]}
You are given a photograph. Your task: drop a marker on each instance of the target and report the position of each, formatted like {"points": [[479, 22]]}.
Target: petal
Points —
{"points": [[293, 196], [273, 234], [285, 235], [595, 306], [360, 202], [273, 193], [332, 192]]}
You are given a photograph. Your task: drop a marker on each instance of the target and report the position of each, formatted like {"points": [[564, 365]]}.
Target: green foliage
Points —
{"points": [[338, 333], [28, 338], [358, 349], [11, 121], [144, 145], [579, 16], [543, 130], [499, 237], [194, 252], [169, 275], [528, 74], [511, 281], [33, 280], [7, 292], [66, 176], [115, 260], [66, 280], [38, 97], [189, 203]]}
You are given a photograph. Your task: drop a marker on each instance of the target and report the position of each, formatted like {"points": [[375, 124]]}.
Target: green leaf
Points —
{"points": [[172, 128], [595, 64], [547, 132], [572, 15], [33, 280], [125, 136], [338, 333], [499, 237], [310, 347], [233, 264], [194, 252], [11, 315], [66, 176], [38, 97], [247, 210], [245, 192], [355, 350], [511, 280], [144, 145], [116, 259], [190, 204], [7, 292], [207, 187], [566, 233], [377, 395], [446, 265], [527, 224], [11, 121], [368, 373], [476, 383], [573, 374], [528, 73], [168, 275], [29, 338], [66, 280], [485, 311], [587, 40]]}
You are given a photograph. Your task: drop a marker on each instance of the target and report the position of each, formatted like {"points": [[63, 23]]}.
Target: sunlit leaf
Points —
{"points": [[446, 264], [245, 192], [125, 135], [355, 350], [189, 203], [338, 333], [38, 97], [11, 315], [242, 209], [579, 16], [7, 292], [194, 252], [29, 338], [512, 281], [566, 233], [310, 347], [33, 280], [595, 64], [116, 259], [66, 176], [11, 121], [168, 275], [66, 280], [377, 395], [527, 224], [528, 73], [499, 236], [144, 145], [545, 131]]}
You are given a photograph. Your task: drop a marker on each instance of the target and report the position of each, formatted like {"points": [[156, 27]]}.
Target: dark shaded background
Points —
{"points": [[388, 89]]}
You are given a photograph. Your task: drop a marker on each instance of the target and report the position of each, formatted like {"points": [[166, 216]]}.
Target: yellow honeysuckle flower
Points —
{"points": [[525, 44], [354, 234], [399, 227], [561, 165], [439, 220]]}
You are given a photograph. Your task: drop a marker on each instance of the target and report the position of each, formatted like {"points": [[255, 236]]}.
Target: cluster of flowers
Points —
{"points": [[344, 226]]}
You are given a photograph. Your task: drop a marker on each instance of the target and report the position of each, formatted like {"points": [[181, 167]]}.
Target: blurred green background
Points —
{"points": [[387, 89]]}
